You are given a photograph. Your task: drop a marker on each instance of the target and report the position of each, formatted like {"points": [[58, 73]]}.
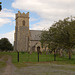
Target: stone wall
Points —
{"points": [[25, 39], [21, 32]]}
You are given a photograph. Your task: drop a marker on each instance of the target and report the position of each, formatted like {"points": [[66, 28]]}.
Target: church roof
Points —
{"points": [[35, 35]]}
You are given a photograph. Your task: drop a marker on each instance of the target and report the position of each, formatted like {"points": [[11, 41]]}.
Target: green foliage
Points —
{"points": [[5, 45], [0, 2], [44, 37], [61, 35], [0, 6], [61, 32]]}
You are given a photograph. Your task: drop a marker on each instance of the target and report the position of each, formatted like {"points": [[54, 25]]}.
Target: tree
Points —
{"points": [[62, 34], [65, 34], [47, 39], [44, 37], [5, 45], [0, 6]]}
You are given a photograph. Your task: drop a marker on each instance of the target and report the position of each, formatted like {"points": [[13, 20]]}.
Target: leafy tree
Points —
{"points": [[62, 35], [5, 45], [44, 37], [47, 40], [65, 34]]}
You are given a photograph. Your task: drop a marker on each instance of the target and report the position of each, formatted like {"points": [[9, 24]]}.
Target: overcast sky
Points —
{"points": [[43, 13]]}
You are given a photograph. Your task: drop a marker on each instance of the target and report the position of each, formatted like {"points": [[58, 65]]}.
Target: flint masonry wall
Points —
{"points": [[22, 32], [25, 39]]}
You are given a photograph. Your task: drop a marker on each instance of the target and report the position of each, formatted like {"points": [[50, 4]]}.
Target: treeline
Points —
{"points": [[5, 45], [61, 35]]}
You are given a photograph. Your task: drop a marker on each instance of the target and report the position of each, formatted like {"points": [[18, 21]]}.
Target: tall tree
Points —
{"points": [[62, 34], [65, 34]]}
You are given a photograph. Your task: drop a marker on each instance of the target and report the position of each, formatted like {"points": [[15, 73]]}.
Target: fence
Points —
{"points": [[33, 57]]}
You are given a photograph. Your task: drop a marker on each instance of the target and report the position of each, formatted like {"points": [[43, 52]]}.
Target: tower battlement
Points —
{"points": [[22, 31], [19, 14], [26, 40]]}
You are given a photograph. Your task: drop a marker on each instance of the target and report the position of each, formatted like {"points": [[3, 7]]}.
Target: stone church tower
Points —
{"points": [[21, 42], [25, 39]]}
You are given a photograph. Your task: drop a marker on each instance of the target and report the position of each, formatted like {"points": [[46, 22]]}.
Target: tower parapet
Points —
{"points": [[21, 31], [19, 14]]}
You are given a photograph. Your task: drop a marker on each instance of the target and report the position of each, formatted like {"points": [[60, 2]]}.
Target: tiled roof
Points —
{"points": [[35, 34]]}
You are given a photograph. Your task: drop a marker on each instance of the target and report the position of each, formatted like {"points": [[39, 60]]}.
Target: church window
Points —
{"points": [[23, 23]]}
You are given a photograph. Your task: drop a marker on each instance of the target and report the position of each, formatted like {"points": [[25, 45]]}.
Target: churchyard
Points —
{"points": [[28, 64], [33, 57]]}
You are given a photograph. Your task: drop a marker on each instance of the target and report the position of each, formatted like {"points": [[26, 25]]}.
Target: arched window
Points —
{"points": [[23, 22]]}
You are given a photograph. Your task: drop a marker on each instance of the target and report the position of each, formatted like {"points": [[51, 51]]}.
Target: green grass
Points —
{"points": [[3, 61], [2, 64], [33, 58]]}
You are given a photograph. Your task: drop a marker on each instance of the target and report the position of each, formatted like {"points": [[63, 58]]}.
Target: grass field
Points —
{"points": [[29, 65], [25, 57]]}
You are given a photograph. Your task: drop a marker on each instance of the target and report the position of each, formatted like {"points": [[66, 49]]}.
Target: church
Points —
{"points": [[25, 39]]}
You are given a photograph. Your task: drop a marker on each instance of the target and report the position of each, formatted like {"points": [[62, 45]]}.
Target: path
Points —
{"points": [[37, 69], [9, 69], [1, 59]]}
